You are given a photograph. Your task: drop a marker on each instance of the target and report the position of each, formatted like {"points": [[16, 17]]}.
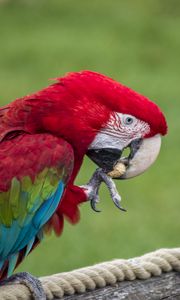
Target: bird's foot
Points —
{"points": [[116, 198], [31, 282], [92, 189]]}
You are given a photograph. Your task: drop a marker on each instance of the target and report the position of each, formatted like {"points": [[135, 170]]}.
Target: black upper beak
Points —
{"points": [[106, 158]]}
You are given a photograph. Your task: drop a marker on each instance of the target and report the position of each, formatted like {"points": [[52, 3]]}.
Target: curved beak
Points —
{"points": [[144, 157], [143, 153]]}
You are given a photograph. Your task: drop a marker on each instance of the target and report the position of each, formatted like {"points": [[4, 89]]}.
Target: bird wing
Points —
{"points": [[34, 171]]}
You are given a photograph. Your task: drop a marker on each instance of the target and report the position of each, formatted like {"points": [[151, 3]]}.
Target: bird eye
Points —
{"points": [[128, 120]]}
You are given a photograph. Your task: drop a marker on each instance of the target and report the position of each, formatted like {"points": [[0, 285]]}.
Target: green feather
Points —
{"points": [[26, 184], [26, 196], [14, 197]]}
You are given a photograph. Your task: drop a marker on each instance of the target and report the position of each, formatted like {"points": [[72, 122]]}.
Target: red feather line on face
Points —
{"points": [[116, 128]]}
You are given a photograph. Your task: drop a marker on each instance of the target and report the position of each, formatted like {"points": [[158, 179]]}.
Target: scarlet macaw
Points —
{"points": [[43, 140]]}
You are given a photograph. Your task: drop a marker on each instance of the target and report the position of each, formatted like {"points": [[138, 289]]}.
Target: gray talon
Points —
{"points": [[93, 203], [94, 198], [113, 191], [117, 203], [93, 185]]}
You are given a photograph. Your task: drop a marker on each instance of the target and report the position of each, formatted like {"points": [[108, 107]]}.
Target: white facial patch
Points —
{"points": [[105, 140], [119, 131]]}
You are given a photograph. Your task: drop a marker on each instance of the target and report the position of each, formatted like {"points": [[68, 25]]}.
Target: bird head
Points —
{"points": [[101, 117]]}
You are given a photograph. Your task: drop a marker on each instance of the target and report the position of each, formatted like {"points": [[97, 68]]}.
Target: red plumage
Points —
{"points": [[29, 155], [75, 108]]}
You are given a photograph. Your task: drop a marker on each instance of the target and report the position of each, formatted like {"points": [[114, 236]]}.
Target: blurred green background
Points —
{"points": [[137, 43]]}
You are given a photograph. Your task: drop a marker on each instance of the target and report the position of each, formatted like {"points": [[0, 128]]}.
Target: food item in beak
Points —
{"points": [[118, 170]]}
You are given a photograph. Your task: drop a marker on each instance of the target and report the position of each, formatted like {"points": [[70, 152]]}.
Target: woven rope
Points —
{"points": [[100, 275]]}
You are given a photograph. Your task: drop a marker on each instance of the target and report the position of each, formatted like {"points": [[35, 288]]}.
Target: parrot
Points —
{"points": [[44, 138]]}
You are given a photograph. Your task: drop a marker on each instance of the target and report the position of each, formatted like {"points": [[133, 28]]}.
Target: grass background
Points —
{"points": [[136, 42]]}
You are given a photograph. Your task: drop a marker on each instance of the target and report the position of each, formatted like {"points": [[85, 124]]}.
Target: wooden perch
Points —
{"points": [[166, 286]]}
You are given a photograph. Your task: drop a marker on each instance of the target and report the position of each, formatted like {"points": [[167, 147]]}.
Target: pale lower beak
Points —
{"points": [[144, 157]]}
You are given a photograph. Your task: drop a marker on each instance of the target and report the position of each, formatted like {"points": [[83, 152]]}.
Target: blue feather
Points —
{"points": [[48, 208], [1, 263], [9, 235], [29, 246], [26, 234], [12, 263], [20, 237]]}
